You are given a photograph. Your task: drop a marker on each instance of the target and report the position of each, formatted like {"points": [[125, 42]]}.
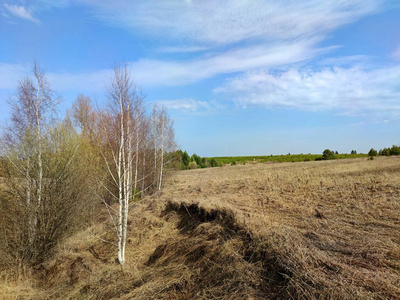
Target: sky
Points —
{"points": [[238, 77]]}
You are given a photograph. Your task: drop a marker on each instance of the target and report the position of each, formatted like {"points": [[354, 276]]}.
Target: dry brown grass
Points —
{"points": [[334, 226], [312, 230]]}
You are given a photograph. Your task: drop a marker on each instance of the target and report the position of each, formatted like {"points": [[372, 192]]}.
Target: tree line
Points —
{"points": [[56, 171], [182, 160], [394, 150]]}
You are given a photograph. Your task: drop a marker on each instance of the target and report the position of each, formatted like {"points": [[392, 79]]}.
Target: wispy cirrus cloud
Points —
{"points": [[182, 49], [148, 73], [350, 91], [223, 37], [158, 72], [226, 22], [256, 38], [20, 11], [187, 105]]}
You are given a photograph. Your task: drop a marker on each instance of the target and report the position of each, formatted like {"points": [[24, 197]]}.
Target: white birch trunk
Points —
{"points": [[38, 140], [40, 166], [144, 170], [137, 148], [121, 95], [155, 142], [28, 174], [128, 179], [120, 182], [28, 200], [28, 180], [162, 149]]}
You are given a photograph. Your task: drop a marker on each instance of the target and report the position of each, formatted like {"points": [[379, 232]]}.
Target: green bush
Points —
{"points": [[213, 162], [328, 154], [395, 150], [185, 160], [385, 152], [372, 152], [192, 165]]}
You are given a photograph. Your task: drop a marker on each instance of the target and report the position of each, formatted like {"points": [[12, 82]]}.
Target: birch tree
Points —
{"points": [[120, 139], [51, 169], [126, 137], [83, 114], [147, 155], [42, 175], [32, 110], [164, 143], [162, 133], [139, 126], [155, 141]]}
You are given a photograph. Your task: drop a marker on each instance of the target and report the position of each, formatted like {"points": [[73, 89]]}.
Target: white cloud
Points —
{"points": [[226, 22], [186, 105], [173, 73], [355, 90], [157, 72], [350, 91], [182, 49], [235, 36], [21, 12], [277, 33]]}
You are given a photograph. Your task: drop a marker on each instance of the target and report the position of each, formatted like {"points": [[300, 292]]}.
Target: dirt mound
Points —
{"points": [[218, 255], [200, 254]]}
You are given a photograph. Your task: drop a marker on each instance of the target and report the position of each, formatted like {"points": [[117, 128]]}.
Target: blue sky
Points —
{"points": [[238, 77]]}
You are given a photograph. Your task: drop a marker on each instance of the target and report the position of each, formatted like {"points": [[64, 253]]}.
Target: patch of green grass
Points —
{"points": [[222, 160]]}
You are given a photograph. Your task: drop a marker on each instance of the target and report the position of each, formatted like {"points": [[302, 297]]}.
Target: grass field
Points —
{"points": [[223, 160], [332, 227], [309, 230]]}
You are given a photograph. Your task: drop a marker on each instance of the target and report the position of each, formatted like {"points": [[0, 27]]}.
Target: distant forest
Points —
{"points": [[181, 159]]}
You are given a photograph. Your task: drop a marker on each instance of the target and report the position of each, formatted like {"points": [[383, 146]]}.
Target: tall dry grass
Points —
{"points": [[333, 227], [312, 230]]}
